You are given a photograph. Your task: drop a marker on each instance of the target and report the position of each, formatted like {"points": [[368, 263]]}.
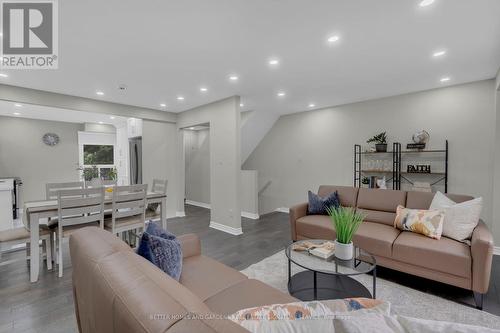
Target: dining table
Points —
{"points": [[34, 211]]}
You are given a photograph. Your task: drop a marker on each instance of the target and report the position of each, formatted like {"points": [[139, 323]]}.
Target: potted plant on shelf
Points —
{"points": [[89, 173], [113, 174], [380, 141], [346, 221]]}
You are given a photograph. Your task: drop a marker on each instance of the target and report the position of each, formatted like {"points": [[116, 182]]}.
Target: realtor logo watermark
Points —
{"points": [[30, 34]]}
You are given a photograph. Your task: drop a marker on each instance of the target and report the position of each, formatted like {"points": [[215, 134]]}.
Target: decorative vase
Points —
{"points": [[344, 251], [381, 147]]}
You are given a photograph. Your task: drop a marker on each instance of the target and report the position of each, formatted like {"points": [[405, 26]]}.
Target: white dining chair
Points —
{"points": [[159, 186], [97, 182], [77, 208], [21, 235], [128, 209], [51, 190], [107, 184]]}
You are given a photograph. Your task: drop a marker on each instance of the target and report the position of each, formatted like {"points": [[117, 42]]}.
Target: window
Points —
{"points": [[97, 157], [98, 154], [98, 162]]}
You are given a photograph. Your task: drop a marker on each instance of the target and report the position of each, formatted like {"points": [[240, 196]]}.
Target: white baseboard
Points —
{"points": [[180, 214], [250, 215], [198, 204], [225, 228], [496, 250], [207, 206]]}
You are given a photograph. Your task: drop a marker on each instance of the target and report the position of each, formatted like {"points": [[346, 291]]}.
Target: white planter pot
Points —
{"points": [[344, 251]]}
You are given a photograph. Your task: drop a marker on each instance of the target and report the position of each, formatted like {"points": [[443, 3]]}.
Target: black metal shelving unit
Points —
{"points": [[398, 175], [357, 166], [396, 166]]}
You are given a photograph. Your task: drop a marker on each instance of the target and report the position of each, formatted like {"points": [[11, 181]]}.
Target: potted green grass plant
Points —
{"points": [[380, 141], [346, 221]]}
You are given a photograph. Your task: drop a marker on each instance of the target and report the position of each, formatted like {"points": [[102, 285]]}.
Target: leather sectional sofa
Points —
{"points": [[116, 290], [444, 260]]}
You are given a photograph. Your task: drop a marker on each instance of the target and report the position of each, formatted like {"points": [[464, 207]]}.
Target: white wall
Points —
{"points": [[197, 150], [197, 166], [311, 148], [23, 154], [225, 160], [253, 129], [101, 128], [249, 193], [496, 179], [159, 160]]}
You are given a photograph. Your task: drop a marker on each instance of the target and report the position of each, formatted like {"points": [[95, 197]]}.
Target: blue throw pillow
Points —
{"points": [[317, 205], [154, 229], [162, 249]]}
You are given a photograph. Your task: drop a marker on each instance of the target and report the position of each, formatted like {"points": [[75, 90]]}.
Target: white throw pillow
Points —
{"points": [[459, 219]]}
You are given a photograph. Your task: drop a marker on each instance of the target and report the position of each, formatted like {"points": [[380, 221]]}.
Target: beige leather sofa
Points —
{"points": [[116, 290], [444, 260]]}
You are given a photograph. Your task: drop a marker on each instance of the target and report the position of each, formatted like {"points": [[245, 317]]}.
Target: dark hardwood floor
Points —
{"points": [[47, 306], [261, 238]]}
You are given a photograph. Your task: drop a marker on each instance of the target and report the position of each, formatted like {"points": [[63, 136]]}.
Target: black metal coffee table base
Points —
{"points": [[310, 285]]}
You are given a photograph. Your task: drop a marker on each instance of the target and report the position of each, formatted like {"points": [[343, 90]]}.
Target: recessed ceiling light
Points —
{"points": [[333, 39], [16, 114], [17, 105], [112, 117], [311, 105], [445, 79], [281, 94], [242, 105], [100, 93], [3, 75], [274, 62], [180, 98], [163, 105], [191, 128], [425, 3], [101, 122], [439, 53], [203, 89], [233, 78]]}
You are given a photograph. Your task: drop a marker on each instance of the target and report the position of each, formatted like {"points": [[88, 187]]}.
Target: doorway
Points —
{"points": [[197, 169]]}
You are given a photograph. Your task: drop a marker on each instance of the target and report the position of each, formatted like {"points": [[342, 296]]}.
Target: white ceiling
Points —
{"points": [[162, 49], [32, 111]]}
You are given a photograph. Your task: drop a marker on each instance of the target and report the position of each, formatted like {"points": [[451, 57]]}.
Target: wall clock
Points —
{"points": [[50, 139]]}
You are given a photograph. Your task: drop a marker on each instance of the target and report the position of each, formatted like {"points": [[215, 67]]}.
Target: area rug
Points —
{"points": [[404, 301]]}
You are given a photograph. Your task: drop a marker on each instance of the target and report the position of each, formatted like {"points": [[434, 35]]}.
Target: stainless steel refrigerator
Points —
{"points": [[135, 155]]}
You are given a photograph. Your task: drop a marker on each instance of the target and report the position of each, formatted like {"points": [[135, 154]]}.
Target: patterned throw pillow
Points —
{"points": [[162, 249], [317, 205], [313, 316], [426, 222]]}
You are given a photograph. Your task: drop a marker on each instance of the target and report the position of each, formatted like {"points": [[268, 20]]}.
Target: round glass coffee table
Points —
{"points": [[329, 278]]}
